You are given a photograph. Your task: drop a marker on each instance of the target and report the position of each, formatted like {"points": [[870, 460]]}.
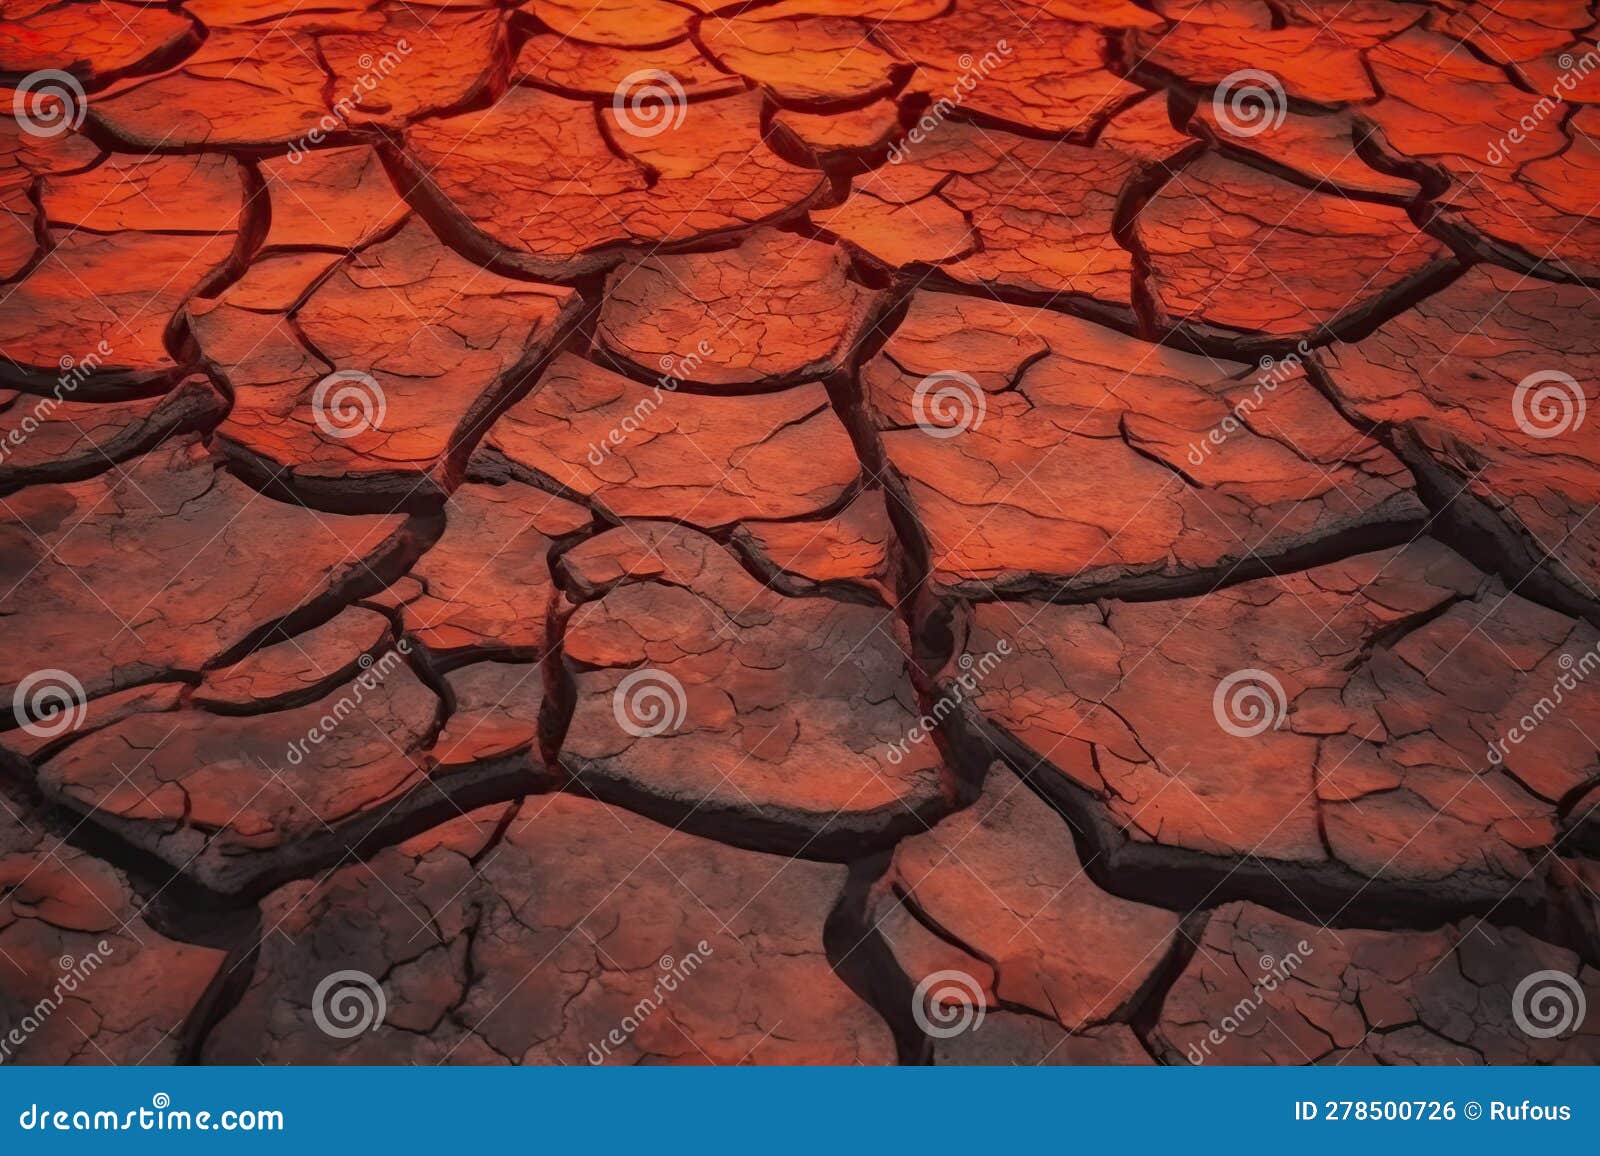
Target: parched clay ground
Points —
{"points": [[802, 531]]}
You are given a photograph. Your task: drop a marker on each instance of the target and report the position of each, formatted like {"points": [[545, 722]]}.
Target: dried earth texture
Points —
{"points": [[810, 532]]}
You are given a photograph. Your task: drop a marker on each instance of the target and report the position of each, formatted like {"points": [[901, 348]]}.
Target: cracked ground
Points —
{"points": [[799, 532]]}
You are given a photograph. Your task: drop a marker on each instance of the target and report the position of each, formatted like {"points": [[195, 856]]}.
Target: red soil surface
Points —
{"points": [[826, 531]]}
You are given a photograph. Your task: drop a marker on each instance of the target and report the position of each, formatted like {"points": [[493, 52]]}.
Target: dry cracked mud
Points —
{"points": [[810, 532]]}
